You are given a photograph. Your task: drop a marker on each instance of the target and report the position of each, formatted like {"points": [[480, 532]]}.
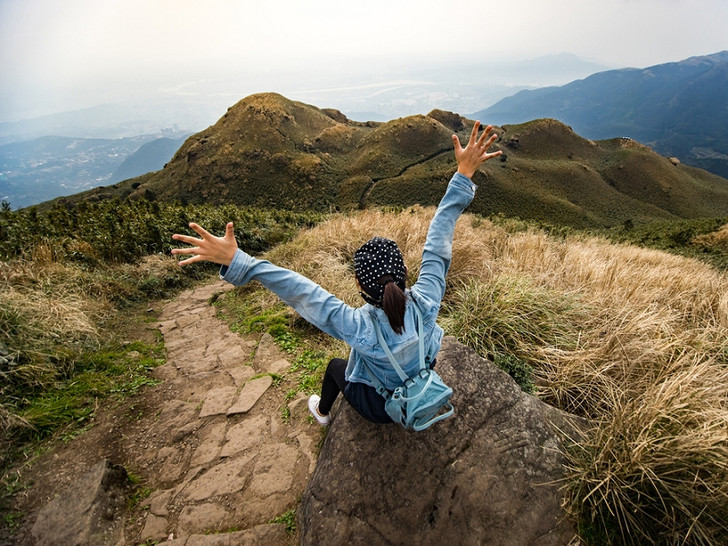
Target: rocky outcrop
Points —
{"points": [[489, 475]]}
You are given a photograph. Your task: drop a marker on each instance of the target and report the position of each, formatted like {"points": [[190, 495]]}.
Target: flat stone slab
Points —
{"points": [[274, 470], [218, 401], [266, 352], [241, 374], [245, 435], [209, 447], [222, 479], [155, 528], [251, 393], [229, 350], [209, 516], [279, 366], [273, 534]]}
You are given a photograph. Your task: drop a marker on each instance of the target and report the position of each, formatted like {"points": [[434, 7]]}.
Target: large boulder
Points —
{"points": [[90, 512], [488, 475]]}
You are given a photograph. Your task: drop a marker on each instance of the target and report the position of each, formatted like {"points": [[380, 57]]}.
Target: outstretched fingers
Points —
{"points": [[186, 239], [209, 248], [202, 232], [476, 152], [486, 138]]}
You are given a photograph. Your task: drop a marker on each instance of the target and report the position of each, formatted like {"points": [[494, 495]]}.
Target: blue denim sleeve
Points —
{"points": [[437, 253], [313, 303], [329, 313]]}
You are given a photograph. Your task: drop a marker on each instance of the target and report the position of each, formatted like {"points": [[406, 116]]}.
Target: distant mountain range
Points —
{"points": [[47, 167], [268, 151], [679, 109], [149, 157]]}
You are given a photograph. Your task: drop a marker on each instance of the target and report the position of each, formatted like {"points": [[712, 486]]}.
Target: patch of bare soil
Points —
{"points": [[211, 444]]}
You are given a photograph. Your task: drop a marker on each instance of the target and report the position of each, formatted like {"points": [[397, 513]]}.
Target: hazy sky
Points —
{"points": [[60, 55]]}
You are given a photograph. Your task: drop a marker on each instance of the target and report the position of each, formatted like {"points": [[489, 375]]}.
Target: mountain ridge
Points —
{"points": [[269, 151], [677, 108]]}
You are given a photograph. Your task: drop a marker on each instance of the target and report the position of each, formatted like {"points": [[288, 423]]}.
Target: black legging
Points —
{"points": [[334, 383]]}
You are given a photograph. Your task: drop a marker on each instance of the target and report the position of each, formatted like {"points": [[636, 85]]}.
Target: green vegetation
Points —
{"points": [[10, 485], [700, 238], [113, 372], [89, 233], [289, 519], [139, 491]]}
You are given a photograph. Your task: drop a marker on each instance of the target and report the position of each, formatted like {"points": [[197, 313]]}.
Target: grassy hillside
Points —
{"points": [[268, 151]]}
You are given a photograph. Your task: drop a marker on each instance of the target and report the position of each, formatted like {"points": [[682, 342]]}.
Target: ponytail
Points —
{"points": [[393, 303]]}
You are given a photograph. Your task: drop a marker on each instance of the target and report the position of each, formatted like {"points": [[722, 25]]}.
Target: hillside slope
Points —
{"points": [[679, 108], [151, 156], [268, 151]]}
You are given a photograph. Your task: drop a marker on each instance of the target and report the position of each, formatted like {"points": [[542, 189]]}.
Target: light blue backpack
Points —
{"points": [[421, 400]]}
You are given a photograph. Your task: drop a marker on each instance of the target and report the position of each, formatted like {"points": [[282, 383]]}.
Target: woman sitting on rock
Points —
{"points": [[380, 275]]}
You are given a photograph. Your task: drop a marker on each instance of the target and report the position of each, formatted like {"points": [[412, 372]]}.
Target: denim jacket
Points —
{"points": [[354, 325]]}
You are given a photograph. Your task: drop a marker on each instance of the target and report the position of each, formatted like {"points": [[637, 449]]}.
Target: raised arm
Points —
{"points": [[437, 252], [312, 302]]}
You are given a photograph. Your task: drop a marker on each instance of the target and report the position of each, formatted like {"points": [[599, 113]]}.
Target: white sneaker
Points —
{"points": [[313, 403]]}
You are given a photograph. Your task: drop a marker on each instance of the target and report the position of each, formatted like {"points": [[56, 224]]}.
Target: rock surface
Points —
{"points": [[485, 476], [219, 452], [88, 512]]}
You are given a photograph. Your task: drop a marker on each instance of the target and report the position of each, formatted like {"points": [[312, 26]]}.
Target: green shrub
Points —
{"points": [[124, 231], [681, 237]]}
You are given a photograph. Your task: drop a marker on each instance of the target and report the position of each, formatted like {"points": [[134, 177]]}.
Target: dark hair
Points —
{"points": [[393, 303]]}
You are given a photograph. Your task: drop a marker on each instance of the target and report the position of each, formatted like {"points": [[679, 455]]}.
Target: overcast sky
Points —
{"points": [[60, 55]]}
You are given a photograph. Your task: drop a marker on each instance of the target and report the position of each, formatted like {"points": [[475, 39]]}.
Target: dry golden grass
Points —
{"points": [[51, 310], [46, 297], [635, 340], [42, 317]]}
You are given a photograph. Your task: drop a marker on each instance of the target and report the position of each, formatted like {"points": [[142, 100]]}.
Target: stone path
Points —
{"points": [[219, 454]]}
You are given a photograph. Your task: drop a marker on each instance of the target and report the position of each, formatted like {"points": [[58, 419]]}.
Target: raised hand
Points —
{"points": [[475, 152], [219, 250]]}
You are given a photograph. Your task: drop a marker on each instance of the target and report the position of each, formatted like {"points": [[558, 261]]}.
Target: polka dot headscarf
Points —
{"points": [[376, 258]]}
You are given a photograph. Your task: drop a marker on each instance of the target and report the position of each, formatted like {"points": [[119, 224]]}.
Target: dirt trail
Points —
{"points": [[210, 440]]}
